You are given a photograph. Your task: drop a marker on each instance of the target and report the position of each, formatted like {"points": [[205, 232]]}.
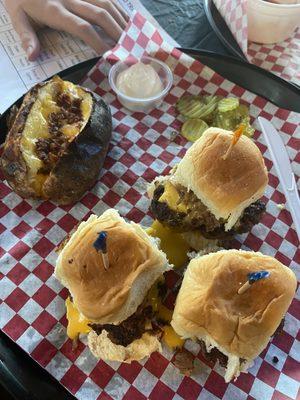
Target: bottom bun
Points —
{"points": [[102, 347], [235, 365], [199, 242]]}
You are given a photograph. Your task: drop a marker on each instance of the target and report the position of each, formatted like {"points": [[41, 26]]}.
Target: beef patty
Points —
{"points": [[199, 217], [130, 329], [216, 355]]}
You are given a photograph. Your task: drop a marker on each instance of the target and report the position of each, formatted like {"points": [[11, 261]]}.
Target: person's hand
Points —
{"points": [[74, 16]]}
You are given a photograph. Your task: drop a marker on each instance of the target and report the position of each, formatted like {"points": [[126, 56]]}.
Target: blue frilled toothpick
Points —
{"points": [[100, 245], [252, 278]]}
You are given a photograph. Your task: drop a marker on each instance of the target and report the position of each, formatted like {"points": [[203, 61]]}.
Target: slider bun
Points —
{"points": [[199, 242], [209, 308], [227, 186], [135, 263], [102, 347]]}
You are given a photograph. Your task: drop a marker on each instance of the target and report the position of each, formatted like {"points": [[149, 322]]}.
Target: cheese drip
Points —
{"points": [[170, 337], [176, 250], [77, 324], [171, 243]]}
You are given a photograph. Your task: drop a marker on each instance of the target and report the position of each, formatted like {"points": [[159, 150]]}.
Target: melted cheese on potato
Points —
{"points": [[77, 324], [36, 125]]}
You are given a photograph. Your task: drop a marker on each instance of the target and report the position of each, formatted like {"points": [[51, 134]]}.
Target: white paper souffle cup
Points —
{"points": [[270, 23]]}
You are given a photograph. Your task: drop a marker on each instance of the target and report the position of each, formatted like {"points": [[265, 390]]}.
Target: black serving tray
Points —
{"points": [[253, 78], [22, 377]]}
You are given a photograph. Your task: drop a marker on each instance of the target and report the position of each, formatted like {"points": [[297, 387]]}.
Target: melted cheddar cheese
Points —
{"points": [[77, 324], [36, 125], [172, 198], [171, 243], [171, 339], [153, 298]]}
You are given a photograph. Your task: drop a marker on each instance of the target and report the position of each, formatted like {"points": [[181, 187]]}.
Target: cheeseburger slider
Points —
{"points": [[233, 302], [214, 190], [108, 266]]}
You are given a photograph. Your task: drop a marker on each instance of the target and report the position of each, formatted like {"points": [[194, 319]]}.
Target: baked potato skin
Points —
{"points": [[76, 170], [12, 162]]}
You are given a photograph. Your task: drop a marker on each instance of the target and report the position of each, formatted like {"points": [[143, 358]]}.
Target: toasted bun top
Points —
{"points": [[209, 307], [135, 262], [227, 186]]}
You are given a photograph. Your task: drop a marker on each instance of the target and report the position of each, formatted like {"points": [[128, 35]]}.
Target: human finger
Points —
{"points": [[79, 27], [97, 16], [29, 39], [121, 10], [113, 9]]}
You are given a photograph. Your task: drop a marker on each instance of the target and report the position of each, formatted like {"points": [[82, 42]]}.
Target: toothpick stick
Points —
{"points": [[252, 278], [105, 260], [236, 136], [100, 245], [243, 288]]}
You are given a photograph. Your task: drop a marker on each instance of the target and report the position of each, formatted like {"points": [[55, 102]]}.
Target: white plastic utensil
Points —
{"points": [[284, 1], [284, 170]]}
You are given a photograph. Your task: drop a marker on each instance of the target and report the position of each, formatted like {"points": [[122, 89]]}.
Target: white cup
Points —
{"points": [[271, 23]]}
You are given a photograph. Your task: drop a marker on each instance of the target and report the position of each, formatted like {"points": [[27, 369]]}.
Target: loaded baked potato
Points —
{"points": [[57, 142]]}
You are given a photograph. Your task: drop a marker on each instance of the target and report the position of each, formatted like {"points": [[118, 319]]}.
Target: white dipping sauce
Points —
{"points": [[140, 81]]}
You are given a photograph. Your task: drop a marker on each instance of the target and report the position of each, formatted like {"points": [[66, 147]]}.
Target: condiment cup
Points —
{"points": [[270, 22], [141, 104]]}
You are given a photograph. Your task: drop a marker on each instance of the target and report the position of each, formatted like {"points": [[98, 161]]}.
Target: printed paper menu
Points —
{"points": [[59, 51]]}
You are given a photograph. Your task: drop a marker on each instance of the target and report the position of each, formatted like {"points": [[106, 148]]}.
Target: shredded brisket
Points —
{"points": [[50, 149], [70, 108], [129, 330], [214, 355], [198, 217], [184, 361]]}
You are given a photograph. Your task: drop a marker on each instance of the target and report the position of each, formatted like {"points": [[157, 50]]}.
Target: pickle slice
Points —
{"points": [[248, 131], [187, 104], [192, 129], [207, 110], [223, 121], [243, 111], [228, 104], [198, 107], [230, 120], [211, 98], [211, 110]]}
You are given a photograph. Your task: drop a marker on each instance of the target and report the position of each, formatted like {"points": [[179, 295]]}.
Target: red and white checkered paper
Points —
{"points": [[283, 59], [32, 311]]}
